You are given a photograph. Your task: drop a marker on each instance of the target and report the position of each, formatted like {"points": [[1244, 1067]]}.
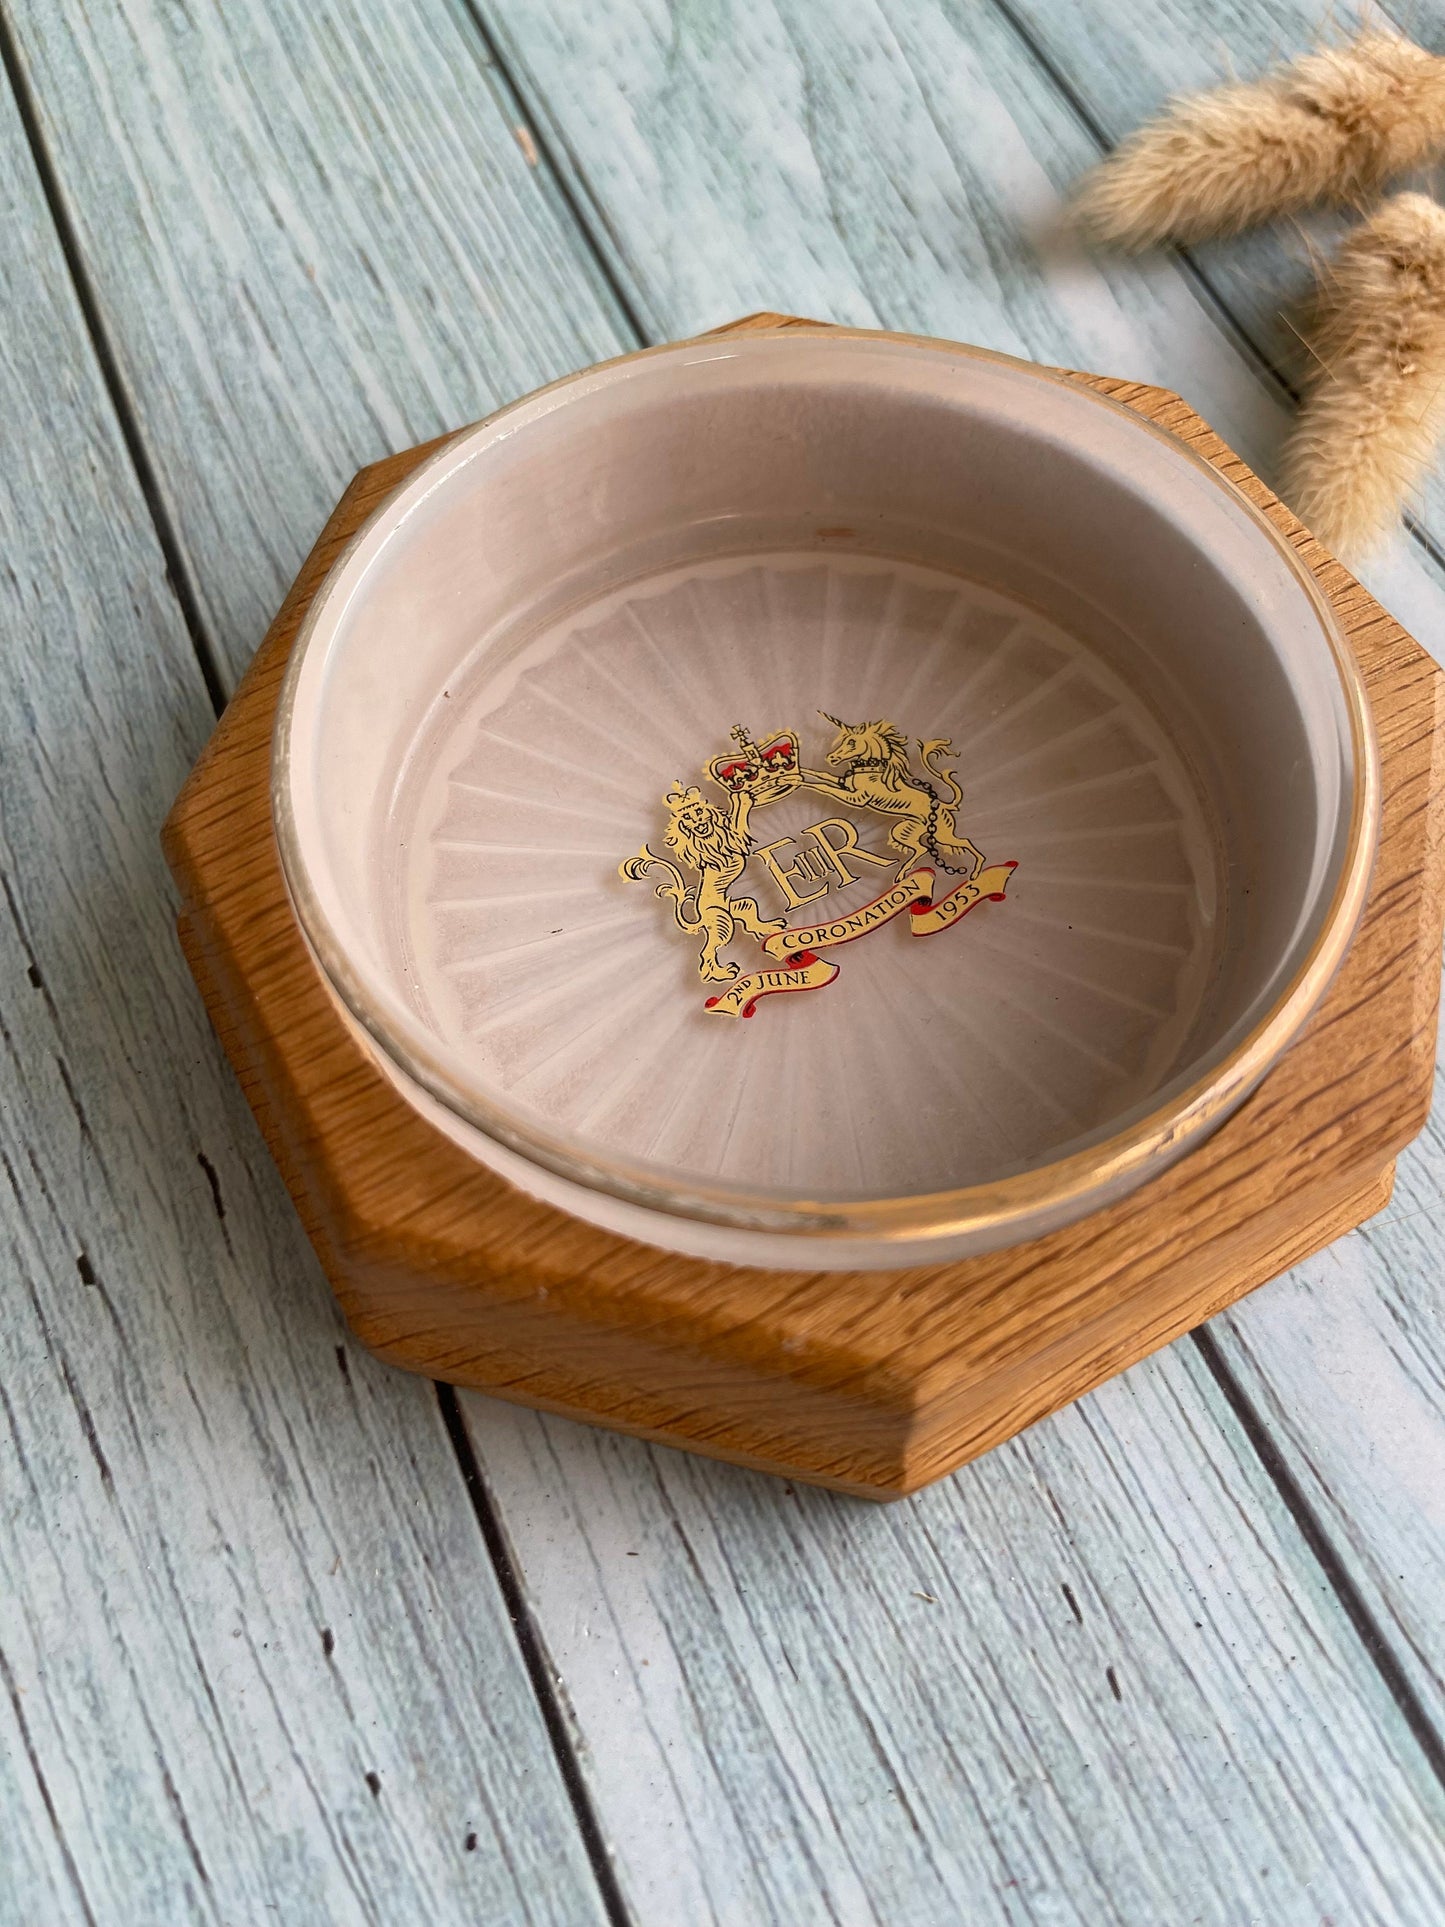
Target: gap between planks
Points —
{"points": [[541, 1675]]}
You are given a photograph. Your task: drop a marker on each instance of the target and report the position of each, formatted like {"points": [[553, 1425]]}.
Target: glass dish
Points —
{"points": [[712, 676]]}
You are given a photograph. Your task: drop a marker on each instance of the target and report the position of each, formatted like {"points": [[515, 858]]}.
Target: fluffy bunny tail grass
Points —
{"points": [[1329, 127], [1370, 426]]}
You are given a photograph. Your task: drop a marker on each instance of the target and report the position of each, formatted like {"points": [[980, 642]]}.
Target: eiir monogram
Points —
{"points": [[869, 768], [822, 862]]}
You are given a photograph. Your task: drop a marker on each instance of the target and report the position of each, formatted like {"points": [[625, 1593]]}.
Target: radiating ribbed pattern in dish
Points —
{"points": [[927, 1064]]}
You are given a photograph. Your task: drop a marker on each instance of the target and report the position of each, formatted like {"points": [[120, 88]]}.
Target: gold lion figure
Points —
{"points": [[877, 775], [717, 847]]}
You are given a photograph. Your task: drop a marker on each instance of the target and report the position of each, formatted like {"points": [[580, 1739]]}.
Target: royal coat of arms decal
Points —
{"points": [[713, 843]]}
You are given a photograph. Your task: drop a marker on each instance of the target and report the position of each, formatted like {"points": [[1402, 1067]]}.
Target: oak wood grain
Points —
{"points": [[239, 1569], [787, 193], [882, 175], [876, 1385]]}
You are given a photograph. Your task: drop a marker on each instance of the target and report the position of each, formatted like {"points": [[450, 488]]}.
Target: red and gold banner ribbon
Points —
{"points": [[802, 969], [915, 888], [987, 887], [740, 999]]}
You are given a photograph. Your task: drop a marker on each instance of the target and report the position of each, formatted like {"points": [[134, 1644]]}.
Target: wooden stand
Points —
{"points": [[874, 1383]]}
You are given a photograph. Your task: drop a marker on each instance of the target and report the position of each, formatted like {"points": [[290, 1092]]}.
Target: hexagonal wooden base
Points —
{"points": [[874, 1383]]}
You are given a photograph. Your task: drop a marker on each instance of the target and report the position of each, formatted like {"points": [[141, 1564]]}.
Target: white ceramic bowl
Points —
{"points": [[1148, 707]]}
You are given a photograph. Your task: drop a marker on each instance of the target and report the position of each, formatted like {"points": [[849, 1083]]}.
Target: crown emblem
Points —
{"points": [[763, 771]]}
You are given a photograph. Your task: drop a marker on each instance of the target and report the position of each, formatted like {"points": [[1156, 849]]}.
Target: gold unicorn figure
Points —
{"points": [[876, 774]]}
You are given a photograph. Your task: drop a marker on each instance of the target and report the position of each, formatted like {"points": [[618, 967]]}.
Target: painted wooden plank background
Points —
{"points": [[254, 1659], [1093, 1678], [314, 236], [891, 163], [622, 106], [312, 233]]}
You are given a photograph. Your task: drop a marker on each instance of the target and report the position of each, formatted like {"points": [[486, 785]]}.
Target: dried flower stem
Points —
{"points": [[1371, 423], [1330, 127]]}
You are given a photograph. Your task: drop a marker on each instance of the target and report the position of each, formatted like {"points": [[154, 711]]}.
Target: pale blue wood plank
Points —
{"points": [[314, 238], [1089, 1680], [239, 1571], [901, 165], [1344, 1360]]}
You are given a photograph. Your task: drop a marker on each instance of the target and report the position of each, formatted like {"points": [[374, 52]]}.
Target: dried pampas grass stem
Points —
{"points": [[1370, 425], [1331, 126]]}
